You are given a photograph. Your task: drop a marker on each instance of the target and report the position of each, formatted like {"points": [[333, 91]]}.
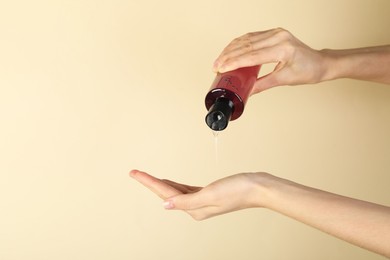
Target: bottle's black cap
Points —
{"points": [[219, 114]]}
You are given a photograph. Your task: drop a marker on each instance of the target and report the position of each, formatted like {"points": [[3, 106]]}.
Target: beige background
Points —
{"points": [[91, 89]]}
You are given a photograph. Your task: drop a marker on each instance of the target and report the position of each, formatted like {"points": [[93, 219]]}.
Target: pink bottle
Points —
{"points": [[228, 95]]}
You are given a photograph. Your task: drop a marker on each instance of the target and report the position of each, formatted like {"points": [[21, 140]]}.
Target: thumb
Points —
{"points": [[184, 202], [265, 82], [270, 80]]}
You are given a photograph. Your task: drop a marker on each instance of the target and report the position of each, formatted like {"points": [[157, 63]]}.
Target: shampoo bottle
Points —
{"points": [[228, 95]]}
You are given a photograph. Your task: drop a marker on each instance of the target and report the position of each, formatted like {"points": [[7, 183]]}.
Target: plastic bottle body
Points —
{"points": [[235, 86]]}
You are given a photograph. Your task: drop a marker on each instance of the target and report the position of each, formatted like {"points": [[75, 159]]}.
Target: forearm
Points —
{"points": [[370, 64], [361, 223]]}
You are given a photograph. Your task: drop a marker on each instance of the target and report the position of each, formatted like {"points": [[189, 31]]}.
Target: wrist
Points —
{"points": [[332, 65], [369, 63], [263, 185], [272, 192]]}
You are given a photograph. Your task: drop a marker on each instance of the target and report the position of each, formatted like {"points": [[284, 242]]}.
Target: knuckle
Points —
{"points": [[249, 35], [244, 38], [236, 40], [282, 33], [248, 46], [278, 29]]}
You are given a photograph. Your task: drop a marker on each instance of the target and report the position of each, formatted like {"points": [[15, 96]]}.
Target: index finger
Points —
{"points": [[157, 186]]}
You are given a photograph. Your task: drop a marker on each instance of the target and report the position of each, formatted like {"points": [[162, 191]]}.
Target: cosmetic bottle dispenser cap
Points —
{"points": [[219, 114]]}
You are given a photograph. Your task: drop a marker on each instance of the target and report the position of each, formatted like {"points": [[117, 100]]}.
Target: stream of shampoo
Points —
{"points": [[215, 133]]}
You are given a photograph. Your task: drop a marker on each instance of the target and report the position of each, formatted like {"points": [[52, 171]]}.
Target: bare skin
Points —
{"points": [[297, 63], [361, 223]]}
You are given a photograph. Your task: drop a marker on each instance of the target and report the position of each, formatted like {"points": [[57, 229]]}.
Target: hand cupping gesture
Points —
{"points": [[225, 195]]}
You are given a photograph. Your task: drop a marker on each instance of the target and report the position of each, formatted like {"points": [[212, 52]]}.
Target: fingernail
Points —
{"points": [[133, 172], [168, 204]]}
